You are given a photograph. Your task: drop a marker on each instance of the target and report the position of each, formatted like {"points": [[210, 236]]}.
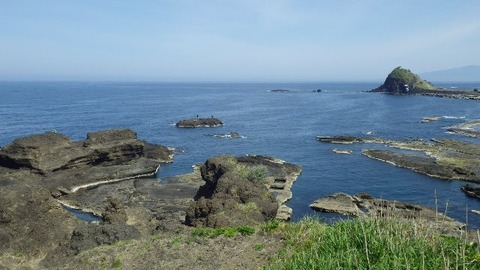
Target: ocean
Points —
{"points": [[283, 125]]}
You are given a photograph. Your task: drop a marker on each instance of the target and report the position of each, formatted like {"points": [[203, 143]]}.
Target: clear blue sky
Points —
{"points": [[234, 40]]}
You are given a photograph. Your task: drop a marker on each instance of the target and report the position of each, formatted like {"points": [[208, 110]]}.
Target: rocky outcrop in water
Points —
{"points": [[470, 129], [199, 122], [441, 158], [238, 191], [366, 205], [472, 191], [403, 81]]}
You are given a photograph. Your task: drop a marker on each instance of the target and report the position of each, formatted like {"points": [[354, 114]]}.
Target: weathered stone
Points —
{"points": [[428, 119], [104, 156], [365, 205], [403, 82], [32, 223], [472, 191], [444, 158], [467, 129], [199, 122], [338, 203], [340, 139], [342, 151], [240, 191]]}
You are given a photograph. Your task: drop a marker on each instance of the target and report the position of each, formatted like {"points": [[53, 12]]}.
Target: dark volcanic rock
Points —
{"points": [[280, 91], [472, 191], [239, 191], [469, 128], [199, 122], [340, 139], [403, 81], [103, 156], [32, 169], [229, 197], [88, 236], [114, 212], [445, 158], [32, 223], [425, 165], [365, 205], [230, 135]]}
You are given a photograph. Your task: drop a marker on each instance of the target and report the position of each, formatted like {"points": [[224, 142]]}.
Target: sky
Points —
{"points": [[234, 40]]}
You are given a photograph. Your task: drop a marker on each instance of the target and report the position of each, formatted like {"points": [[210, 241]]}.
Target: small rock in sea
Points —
{"points": [[342, 151], [428, 119], [199, 122], [231, 135]]}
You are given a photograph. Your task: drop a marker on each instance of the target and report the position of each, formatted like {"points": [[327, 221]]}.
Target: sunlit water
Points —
{"points": [[283, 125]]}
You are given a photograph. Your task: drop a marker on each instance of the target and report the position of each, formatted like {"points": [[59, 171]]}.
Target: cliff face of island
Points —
{"points": [[403, 81]]}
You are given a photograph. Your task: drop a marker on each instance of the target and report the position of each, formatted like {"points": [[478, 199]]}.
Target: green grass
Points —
{"points": [[371, 244], [226, 231], [410, 78]]}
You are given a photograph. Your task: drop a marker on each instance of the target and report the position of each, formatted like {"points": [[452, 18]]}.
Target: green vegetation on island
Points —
{"points": [[402, 80]]}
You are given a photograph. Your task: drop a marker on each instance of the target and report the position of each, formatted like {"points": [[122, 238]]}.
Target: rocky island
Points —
{"points": [[199, 122], [402, 81]]}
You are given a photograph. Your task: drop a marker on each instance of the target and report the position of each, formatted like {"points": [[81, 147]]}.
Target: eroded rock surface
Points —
{"points": [[440, 158], [38, 168], [470, 129], [241, 191], [66, 165], [366, 205], [199, 122], [402, 81]]}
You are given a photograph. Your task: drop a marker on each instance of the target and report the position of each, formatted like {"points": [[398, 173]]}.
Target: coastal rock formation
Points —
{"points": [[199, 122], [104, 156], [403, 81], [32, 223], [428, 119], [342, 151], [340, 139], [470, 129], [441, 158], [472, 191], [237, 191], [38, 168], [280, 91], [365, 205], [230, 135]]}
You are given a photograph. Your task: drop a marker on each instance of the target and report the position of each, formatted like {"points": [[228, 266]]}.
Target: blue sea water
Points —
{"points": [[283, 125]]}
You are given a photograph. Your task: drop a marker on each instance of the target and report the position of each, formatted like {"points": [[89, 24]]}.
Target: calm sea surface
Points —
{"points": [[283, 125]]}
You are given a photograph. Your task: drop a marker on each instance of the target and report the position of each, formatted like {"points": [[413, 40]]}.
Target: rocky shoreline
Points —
{"points": [[440, 158], [109, 175], [363, 205]]}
